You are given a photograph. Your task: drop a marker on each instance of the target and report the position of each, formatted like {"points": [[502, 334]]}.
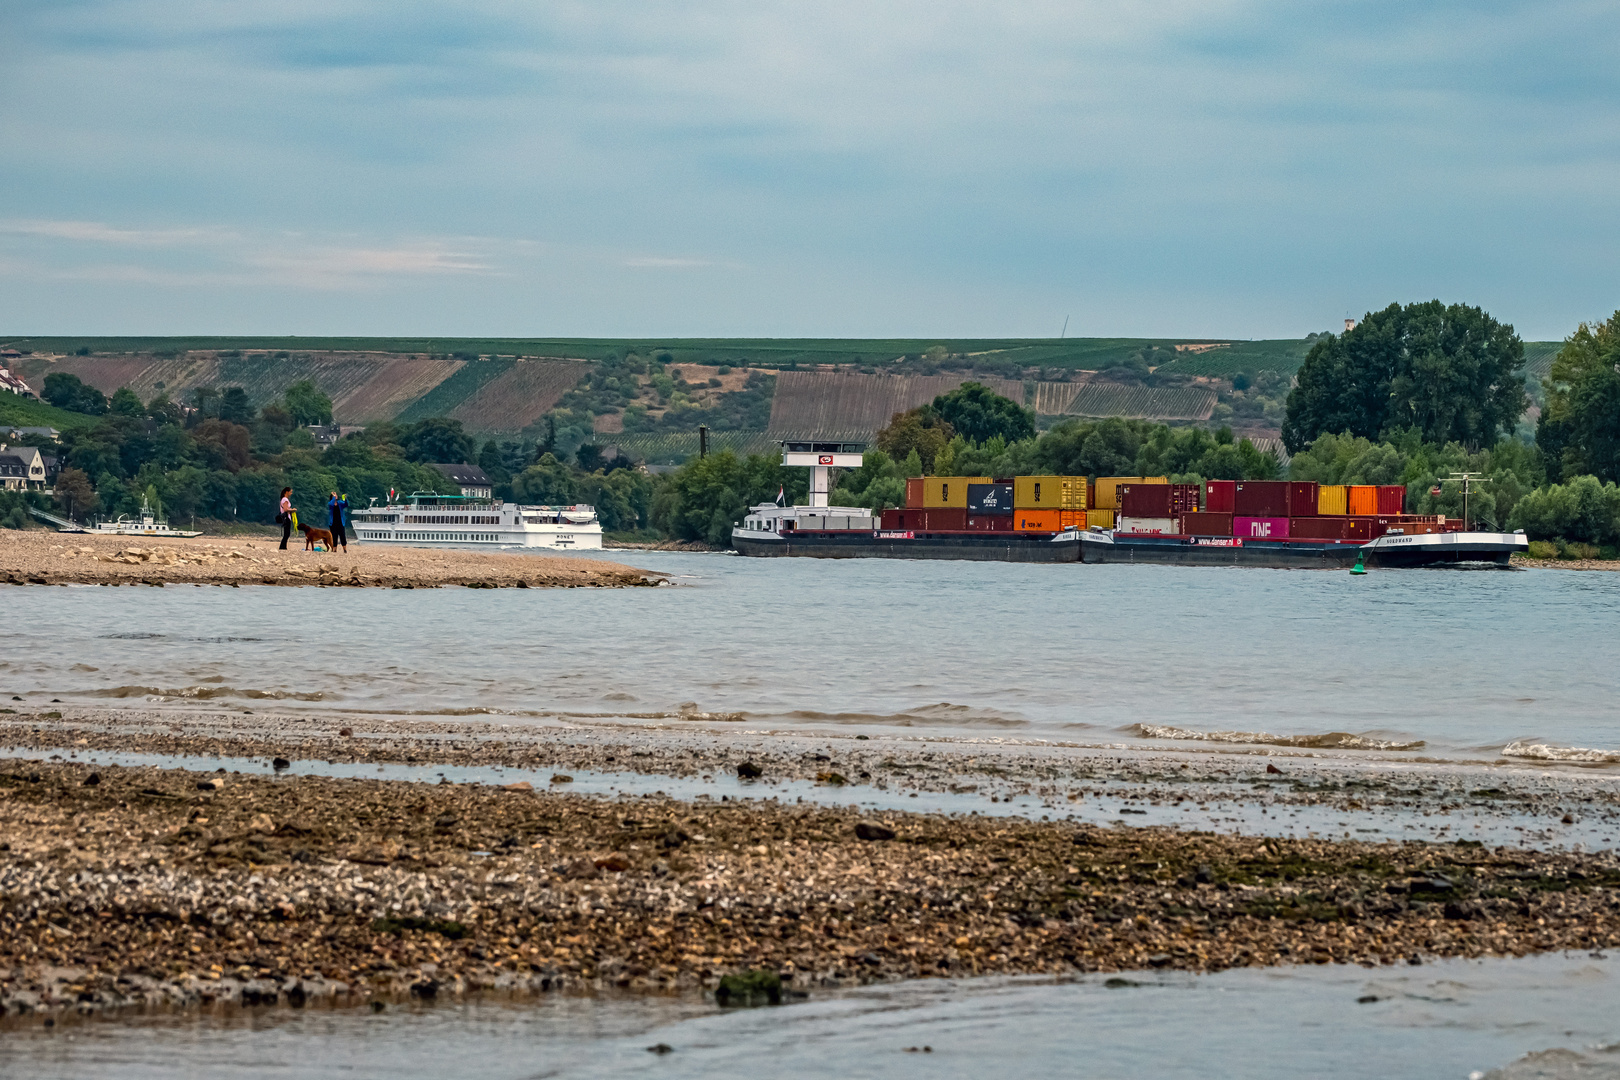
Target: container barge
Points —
{"points": [[1129, 519]]}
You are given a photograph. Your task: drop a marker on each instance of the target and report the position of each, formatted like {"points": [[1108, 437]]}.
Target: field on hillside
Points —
{"points": [[1142, 402], [25, 412], [521, 395], [815, 401]]}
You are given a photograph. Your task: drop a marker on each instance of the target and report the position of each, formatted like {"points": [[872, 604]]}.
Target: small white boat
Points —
{"points": [[457, 519], [148, 525]]}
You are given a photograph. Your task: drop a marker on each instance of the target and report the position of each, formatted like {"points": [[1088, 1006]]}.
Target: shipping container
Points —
{"points": [[1302, 498], [1391, 499], [1318, 528], [1206, 524], [1359, 528], [1144, 500], [989, 523], [948, 492], [1260, 498], [914, 492], [1218, 496], [904, 519], [941, 519], [1099, 519], [1106, 494], [1038, 520], [1332, 500], [1259, 528], [990, 499], [1146, 525], [1183, 499], [1363, 500], [1050, 492]]}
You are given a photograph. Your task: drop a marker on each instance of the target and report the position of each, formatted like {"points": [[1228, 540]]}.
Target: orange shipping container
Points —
{"points": [[914, 492], [1048, 520], [948, 492], [1363, 500]]}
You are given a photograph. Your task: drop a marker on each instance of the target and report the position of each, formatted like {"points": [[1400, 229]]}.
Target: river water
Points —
{"points": [[1467, 663], [1453, 1019]]}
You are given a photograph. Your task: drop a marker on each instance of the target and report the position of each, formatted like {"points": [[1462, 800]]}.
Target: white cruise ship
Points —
{"points": [[456, 519]]}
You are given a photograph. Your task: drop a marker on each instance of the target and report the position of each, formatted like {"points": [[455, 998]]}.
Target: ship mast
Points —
{"points": [[822, 458]]}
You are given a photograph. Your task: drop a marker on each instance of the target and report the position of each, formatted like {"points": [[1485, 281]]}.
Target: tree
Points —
{"points": [[74, 494], [1452, 372], [125, 403], [307, 404], [980, 414], [68, 392], [437, 440], [1579, 430], [706, 496], [234, 406], [548, 482], [920, 431]]}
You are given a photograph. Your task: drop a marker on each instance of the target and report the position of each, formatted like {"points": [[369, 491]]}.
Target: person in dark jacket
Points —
{"points": [[284, 516], [336, 507]]}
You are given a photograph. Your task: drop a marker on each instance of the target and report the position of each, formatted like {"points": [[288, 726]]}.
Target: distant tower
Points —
{"points": [[1349, 325]]}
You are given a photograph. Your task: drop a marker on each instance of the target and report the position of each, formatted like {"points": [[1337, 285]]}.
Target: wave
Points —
{"points": [[942, 715], [1543, 752], [201, 693], [1332, 740]]}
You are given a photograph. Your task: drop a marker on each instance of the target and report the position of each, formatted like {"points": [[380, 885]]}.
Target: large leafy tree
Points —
{"points": [[69, 392], [1450, 371], [979, 414], [921, 431], [307, 404], [1579, 430], [438, 440]]}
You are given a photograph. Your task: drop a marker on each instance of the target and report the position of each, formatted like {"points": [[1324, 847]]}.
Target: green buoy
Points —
{"points": [[1361, 563]]}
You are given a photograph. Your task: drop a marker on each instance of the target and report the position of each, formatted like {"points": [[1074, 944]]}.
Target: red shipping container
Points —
{"points": [[990, 523], [1361, 528], [1260, 498], [1206, 524], [1318, 528], [904, 519], [1183, 499], [1260, 528], [914, 492], [1302, 498], [945, 520], [1391, 499], [1145, 500], [1218, 496]]}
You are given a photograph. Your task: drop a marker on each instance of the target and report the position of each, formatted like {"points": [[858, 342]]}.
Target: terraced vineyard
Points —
{"points": [[462, 384], [1142, 402], [524, 393], [817, 401], [672, 448]]}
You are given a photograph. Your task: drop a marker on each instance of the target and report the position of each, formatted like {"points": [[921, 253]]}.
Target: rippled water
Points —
{"points": [[1453, 1019], [1465, 662]]}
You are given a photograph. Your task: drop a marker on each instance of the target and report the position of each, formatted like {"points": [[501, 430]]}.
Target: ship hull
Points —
{"points": [[973, 547], [1388, 552]]}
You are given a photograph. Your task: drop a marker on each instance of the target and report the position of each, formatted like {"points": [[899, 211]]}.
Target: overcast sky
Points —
{"points": [[828, 169]]}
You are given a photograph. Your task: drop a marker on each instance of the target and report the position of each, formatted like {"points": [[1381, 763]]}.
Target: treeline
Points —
{"points": [[217, 457]]}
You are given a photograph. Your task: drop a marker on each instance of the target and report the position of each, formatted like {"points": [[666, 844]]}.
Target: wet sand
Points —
{"points": [[157, 886], [40, 557]]}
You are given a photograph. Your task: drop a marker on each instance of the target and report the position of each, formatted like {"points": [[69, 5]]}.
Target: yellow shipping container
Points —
{"points": [[1099, 519], [1049, 492], [1332, 500], [948, 492], [1107, 495]]}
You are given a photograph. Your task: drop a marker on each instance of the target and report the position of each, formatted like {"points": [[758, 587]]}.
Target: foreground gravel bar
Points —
{"points": [[139, 886], [38, 557]]}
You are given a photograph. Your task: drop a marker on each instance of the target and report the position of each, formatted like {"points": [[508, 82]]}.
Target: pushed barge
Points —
{"points": [[1390, 550], [841, 532]]}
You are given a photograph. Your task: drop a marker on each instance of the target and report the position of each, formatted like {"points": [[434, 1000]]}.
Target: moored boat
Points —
{"points": [[458, 519], [1391, 550], [146, 525]]}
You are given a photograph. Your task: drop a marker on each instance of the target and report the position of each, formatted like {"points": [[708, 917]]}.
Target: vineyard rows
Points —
{"points": [[1142, 402], [811, 401]]}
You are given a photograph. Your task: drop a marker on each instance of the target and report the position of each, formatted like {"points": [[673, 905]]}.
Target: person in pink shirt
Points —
{"points": [[284, 516]]}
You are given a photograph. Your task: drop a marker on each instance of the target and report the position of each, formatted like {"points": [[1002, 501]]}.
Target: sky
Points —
{"points": [[626, 168]]}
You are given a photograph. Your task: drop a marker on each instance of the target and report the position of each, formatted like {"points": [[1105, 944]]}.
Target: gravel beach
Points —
{"points": [[146, 885], [40, 557]]}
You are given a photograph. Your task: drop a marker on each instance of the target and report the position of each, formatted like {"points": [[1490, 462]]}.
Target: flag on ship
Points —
{"points": [[781, 494]]}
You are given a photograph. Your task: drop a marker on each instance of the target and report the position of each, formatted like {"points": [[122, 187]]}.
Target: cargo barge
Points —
{"points": [[1119, 519], [1388, 551]]}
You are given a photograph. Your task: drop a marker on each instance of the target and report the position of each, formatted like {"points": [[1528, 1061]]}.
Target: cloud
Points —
{"points": [[98, 233]]}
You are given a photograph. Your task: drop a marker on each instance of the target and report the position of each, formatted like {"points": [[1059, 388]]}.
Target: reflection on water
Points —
{"points": [[1450, 1019]]}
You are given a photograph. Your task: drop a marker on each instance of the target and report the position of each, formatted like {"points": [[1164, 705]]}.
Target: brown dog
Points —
{"points": [[312, 534]]}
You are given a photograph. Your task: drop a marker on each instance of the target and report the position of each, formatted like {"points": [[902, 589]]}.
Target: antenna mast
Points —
{"points": [[1467, 479]]}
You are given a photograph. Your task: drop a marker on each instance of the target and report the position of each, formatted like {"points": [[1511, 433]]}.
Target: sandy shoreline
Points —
{"points": [[39, 557], [148, 886]]}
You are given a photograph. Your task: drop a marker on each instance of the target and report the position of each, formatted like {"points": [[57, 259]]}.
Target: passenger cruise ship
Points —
{"points": [[456, 519]]}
